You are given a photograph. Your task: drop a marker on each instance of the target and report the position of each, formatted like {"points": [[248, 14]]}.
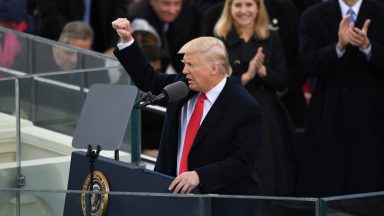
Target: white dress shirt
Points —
{"points": [[123, 45], [186, 113]]}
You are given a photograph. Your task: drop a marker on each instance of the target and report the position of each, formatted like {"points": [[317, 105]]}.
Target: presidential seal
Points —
{"points": [[99, 202]]}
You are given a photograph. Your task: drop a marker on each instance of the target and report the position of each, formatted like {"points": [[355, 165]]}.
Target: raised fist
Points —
{"points": [[123, 29]]}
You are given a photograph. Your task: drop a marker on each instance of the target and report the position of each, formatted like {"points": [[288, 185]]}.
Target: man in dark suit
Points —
{"points": [[175, 21], [54, 14], [345, 54], [222, 157]]}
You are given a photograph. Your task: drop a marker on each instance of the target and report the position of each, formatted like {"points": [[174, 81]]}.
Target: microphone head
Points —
{"points": [[176, 91]]}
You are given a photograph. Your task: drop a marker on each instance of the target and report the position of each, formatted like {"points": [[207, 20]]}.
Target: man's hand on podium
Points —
{"points": [[185, 182]]}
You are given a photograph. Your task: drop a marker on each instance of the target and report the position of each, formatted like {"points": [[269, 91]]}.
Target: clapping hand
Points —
{"points": [[349, 34], [255, 67], [358, 37], [259, 59]]}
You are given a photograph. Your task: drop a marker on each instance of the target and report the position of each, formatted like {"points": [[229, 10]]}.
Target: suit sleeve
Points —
{"points": [[240, 162], [377, 55], [140, 70], [376, 36], [277, 74]]}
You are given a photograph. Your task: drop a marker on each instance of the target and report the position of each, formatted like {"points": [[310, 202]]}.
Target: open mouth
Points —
{"points": [[190, 82]]}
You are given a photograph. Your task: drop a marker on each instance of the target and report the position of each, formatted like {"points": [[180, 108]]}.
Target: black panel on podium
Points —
{"points": [[129, 178]]}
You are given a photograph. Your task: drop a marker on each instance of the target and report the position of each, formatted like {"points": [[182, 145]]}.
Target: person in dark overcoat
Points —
{"points": [[345, 140], [257, 58], [210, 138]]}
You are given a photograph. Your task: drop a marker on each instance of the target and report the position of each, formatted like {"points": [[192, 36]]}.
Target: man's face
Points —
{"points": [[197, 72], [167, 10], [67, 59]]}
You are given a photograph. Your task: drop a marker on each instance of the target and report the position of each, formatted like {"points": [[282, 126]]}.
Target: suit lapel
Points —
{"points": [[173, 112], [332, 15], [213, 117], [364, 12]]}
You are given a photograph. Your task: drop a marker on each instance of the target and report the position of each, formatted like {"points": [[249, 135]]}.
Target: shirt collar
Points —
{"points": [[344, 7], [215, 91]]}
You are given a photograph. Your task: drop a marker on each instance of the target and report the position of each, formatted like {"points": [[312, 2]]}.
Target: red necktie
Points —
{"points": [[192, 128]]}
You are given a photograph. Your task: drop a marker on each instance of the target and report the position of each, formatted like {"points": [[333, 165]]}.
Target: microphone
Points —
{"points": [[172, 92]]}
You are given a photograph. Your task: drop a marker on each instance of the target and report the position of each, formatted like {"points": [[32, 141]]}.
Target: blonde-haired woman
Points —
{"points": [[257, 58]]}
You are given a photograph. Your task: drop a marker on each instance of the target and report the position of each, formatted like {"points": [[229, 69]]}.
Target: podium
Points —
{"points": [[101, 126], [126, 177]]}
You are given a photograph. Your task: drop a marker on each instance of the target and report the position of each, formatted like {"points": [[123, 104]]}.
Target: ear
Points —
{"points": [[215, 69]]}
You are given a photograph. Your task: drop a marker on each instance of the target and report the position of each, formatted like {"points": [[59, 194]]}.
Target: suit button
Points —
{"points": [[275, 21]]}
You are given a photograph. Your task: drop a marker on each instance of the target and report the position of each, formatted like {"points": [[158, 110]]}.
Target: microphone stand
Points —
{"points": [[145, 100], [172, 92]]}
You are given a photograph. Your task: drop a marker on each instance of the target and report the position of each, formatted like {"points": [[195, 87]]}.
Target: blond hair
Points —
{"points": [[224, 24], [213, 51]]}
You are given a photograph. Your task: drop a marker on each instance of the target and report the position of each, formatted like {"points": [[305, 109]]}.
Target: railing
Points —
{"points": [[42, 90], [56, 202]]}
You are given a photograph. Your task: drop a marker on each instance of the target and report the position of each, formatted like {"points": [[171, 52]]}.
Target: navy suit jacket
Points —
{"points": [[226, 145]]}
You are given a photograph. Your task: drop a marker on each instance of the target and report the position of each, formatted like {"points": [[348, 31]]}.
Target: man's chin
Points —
{"points": [[193, 88], [170, 19]]}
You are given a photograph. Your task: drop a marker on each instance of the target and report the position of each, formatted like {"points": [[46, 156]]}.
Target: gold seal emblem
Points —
{"points": [[99, 202]]}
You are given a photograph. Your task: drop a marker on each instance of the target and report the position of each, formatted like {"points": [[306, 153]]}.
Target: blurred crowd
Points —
{"points": [[315, 67]]}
